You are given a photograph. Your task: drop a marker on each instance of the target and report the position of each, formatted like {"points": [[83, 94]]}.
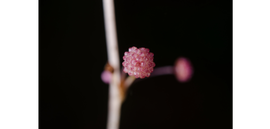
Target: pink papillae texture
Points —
{"points": [[138, 62]]}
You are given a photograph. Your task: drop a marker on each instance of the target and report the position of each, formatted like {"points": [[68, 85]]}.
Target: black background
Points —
{"points": [[72, 49]]}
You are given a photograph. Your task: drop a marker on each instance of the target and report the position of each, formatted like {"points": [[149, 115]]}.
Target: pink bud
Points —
{"points": [[106, 76], [183, 69]]}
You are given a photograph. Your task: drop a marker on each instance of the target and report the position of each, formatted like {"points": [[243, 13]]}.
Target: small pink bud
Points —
{"points": [[106, 76], [138, 62], [183, 69]]}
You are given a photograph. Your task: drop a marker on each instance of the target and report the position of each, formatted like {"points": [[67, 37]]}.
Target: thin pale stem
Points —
{"points": [[129, 81], [159, 71], [113, 58], [163, 71]]}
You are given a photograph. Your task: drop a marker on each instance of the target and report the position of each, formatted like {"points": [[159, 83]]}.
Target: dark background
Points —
{"points": [[72, 50]]}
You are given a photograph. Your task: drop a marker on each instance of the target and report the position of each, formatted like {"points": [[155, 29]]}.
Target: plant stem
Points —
{"points": [[159, 71], [129, 81], [162, 71], [113, 58]]}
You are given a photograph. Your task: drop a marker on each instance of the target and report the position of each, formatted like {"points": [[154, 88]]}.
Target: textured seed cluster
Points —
{"points": [[138, 62]]}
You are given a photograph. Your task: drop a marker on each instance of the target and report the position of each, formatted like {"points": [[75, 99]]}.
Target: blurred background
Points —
{"points": [[73, 53]]}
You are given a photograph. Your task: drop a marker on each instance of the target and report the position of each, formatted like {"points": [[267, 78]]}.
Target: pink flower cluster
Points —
{"points": [[138, 62]]}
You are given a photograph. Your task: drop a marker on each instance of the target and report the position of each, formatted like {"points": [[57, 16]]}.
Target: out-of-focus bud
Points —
{"points": [[183, 69], [106, 76]]}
